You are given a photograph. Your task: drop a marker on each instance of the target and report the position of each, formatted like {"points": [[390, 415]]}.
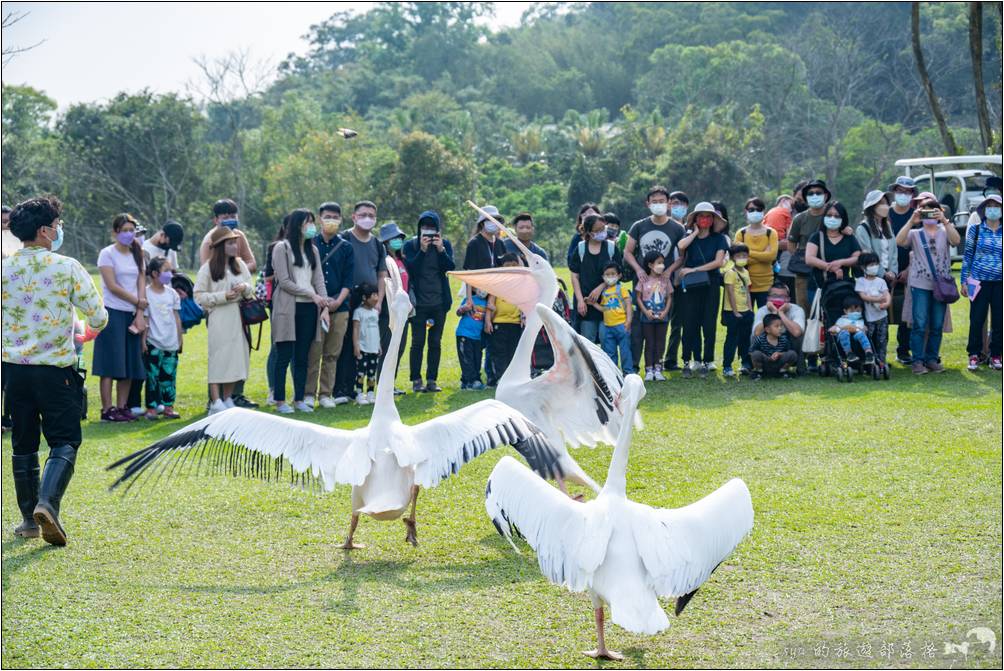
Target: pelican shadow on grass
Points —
{"points": [[385, 462]]}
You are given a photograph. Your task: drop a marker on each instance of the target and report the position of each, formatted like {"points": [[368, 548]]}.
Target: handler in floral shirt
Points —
{"points": [[43, 388]]}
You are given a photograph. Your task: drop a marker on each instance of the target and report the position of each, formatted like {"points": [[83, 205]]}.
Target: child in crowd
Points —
{"points": [[851, 325], [737, 315], [504, 322], [366, 344], [162, 340], [615, 302], [771, 351], [873, 290], [614, 232], [469, 328], [654, 293]]}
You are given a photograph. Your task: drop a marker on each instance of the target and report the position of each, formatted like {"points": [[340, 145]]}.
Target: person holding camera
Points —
{"points": [[929, 237], [428, 257], [44, 383]]}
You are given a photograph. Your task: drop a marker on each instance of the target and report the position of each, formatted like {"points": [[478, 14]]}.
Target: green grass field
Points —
{"points": [[877, 539]]}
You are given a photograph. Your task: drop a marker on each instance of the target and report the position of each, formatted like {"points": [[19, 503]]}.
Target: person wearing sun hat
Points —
{"points": [[428, 256], [981, 279], [874, 234], [804, 226], [222, 282]]}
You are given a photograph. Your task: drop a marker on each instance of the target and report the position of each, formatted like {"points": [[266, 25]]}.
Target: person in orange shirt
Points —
{"points": [[779, 218]]}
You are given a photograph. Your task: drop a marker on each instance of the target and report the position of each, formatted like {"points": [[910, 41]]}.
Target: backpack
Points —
{"points": [[611, 248], [191, 313]]}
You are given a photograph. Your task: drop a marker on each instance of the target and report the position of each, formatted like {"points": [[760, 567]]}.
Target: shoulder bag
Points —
{"points": [[945, 289], [697, 278]]}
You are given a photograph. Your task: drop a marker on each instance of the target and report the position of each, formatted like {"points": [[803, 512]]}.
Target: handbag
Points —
{"points": [[697, 278], [811, 339], [945, 289], [797, 264]]}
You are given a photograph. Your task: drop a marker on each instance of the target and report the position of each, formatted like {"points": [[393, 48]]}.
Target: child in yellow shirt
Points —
{"points": [[737, 315], [504, 322], [615, 301]]}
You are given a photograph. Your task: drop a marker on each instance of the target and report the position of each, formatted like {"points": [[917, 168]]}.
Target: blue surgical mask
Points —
{"points": [[58, 242], [903, 199], [993, 213], [600, 237], [491, 227], [754, 217], [853, 316], [815, 201], [230, 223], [679, 211], [310, 231], [832, 223]]}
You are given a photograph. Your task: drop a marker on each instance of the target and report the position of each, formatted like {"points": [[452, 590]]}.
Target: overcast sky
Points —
{"points": [[94, 50]]}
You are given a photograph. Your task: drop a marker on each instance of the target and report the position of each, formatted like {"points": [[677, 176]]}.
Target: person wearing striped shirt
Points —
{"points": [[41, 292], [771, 351], [981, 281]]}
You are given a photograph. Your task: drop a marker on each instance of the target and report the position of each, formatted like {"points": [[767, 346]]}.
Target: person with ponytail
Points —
{"points": [[118, 349]]}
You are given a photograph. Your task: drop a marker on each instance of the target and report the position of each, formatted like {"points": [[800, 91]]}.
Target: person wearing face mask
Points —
{"points": [[804, 226], [991, 187], [164, 244], [762, 243], [118, 352], [162, 341], [226, 215], [428, 257], [523, 224], [392, 238], [874, 234], [221, 283], [929, 238], [901, 193], [737, 312], [874, 292], [654, 297], [337, 266], [792, 316], [40, 365], [851, 326], [981, 281], [587, 275], [779, 218], [832, 252], [660, 232], [299, 307], [485, 250], [699, 282], [370, 268], [585, 210]]}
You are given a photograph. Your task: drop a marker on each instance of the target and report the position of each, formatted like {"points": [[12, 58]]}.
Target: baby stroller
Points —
{"points": [[833, 360]]}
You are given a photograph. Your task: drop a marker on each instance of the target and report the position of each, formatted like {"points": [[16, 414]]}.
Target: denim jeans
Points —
{"points": [[614, 338], [860, 337], [928, 320], [590, 330]]}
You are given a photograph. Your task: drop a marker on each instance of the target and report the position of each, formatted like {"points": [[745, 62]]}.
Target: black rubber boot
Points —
{"points": [[55, 478], [26, 485]]}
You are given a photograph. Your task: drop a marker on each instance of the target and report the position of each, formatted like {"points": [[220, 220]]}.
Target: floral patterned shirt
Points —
{"points": [[40, 291]]}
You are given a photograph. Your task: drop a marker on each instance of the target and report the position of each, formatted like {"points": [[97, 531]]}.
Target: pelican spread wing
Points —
{"points": [[446, 443], [258, 444], [569, 541]]}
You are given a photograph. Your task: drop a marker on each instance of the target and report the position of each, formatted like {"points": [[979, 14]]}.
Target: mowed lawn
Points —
{"points": [[877, 539]]}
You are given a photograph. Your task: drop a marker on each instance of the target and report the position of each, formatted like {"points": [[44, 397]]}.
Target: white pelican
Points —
{"points": [[574, 401], [385, 462], [625, 554]]}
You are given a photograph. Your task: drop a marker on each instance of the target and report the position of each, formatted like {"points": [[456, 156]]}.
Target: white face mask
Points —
{"points": [[658, 209], [658, 268], [872, 270], [610, 280], [903, 199]]}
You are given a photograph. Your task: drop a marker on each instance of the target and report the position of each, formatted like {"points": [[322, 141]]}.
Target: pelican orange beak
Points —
{"points": [[515, 284]]}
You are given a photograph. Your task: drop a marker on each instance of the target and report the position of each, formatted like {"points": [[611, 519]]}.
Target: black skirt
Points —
{"points": [[118, 353]]}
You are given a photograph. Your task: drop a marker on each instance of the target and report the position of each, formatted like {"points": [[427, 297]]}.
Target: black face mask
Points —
{"points": [[799, 207]]}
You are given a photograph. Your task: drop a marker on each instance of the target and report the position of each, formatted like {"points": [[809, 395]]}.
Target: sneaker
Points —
{"points": [[309, 400], [243, 402], [432, 387], [302, 406], [974, 363], [853, 358], [160, 408], [126, 415], [756, 375], [327, 402], [171, 414], [728, 372], [744, 370], [137, 411], [417, 386], [659, 377], [340, 400], [477, 385], [905, 360], [217, 406], [284, 408], [649, 374], [112, 415], [869, 359], [464, 386], [229, 402], [671, 366], [151, 414], [270, 400], [688, 372], [371, 397], [361, 399], [399, 392], [919, 368], [703, 370], [995, 362], [935, 367], [711, 365]]}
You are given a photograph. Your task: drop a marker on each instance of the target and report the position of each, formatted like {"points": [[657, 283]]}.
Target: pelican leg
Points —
{"points": [[348, 544], [564, 489], [409, 522], [601, 651]]}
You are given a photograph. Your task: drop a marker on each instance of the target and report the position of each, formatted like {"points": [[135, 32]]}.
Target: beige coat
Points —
{"points": [[286, 290], [229, 354]]}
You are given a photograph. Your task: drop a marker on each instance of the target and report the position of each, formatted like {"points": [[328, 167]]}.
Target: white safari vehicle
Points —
{"points": [[959, 189]]}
